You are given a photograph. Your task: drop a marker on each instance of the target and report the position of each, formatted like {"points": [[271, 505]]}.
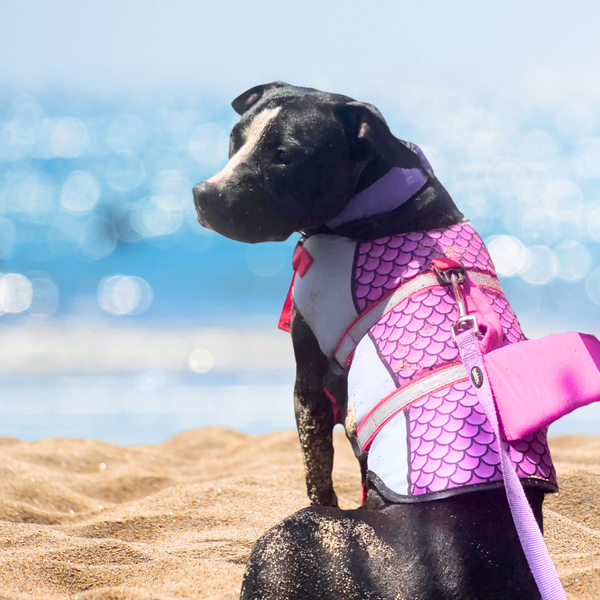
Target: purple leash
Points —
{"points": [[451, 273], [532, 541]]}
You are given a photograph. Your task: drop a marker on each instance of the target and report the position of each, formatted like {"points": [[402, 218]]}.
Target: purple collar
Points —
{"points": [[385, 195]]}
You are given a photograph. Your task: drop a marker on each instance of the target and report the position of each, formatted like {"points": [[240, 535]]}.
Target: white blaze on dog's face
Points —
{"points": [[288, 170], [252, 136]]}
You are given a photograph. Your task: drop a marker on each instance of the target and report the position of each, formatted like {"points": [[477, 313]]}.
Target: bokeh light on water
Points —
{"points": [[15, 293], [79, 192], [123, 295], [44, 298], [201, 360], [508, 253], [540, 265], [69, 138], [126, 134], [209, 143]]}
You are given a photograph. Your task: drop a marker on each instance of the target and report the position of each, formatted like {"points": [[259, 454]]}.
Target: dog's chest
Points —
{"points": [[324, 293]]}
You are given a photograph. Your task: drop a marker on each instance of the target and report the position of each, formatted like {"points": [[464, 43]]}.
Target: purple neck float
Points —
{"points": [[385, 195]]}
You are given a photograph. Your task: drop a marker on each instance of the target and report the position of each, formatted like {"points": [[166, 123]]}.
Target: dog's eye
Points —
{"points": [[282, 157]]}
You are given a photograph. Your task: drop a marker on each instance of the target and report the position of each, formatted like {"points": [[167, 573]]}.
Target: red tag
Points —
{"points": [[301, 260], [285, 320], [334, 405], [444, 264]]}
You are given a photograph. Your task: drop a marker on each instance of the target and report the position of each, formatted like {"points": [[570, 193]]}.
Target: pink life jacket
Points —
{"points": [[434, 441]]}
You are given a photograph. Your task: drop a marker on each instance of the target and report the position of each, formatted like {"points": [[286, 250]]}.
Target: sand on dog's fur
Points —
{"points": [[85, 519]]}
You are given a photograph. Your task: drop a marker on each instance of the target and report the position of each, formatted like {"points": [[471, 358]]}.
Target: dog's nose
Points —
{"points": [[201, 190]]}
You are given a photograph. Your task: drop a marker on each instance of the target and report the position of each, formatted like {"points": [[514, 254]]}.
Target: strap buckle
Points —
{"points": [[445, 275], [445, 267]]}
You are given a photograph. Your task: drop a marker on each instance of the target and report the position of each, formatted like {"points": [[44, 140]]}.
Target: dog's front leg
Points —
{"points": [[314, 414]]}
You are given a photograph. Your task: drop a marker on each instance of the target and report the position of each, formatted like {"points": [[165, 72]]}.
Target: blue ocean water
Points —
{"points": [[97, 224], [208, 286]]}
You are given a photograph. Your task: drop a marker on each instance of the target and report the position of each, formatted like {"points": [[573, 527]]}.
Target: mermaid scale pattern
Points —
{"points": [[508, 319], [451, 443], [382, 265], [416, 336]]}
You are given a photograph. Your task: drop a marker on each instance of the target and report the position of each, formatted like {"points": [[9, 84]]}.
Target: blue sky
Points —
{"points": [[112, 47]]}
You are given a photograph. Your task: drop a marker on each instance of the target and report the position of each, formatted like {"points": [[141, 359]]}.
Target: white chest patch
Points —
{"points": [[324, 295]]}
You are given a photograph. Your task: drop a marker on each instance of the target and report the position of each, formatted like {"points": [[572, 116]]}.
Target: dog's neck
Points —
{"points": [[393, 200]]}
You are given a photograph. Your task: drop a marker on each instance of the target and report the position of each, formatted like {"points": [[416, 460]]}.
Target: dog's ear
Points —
{"points": [[249, 98], [369, 136]]}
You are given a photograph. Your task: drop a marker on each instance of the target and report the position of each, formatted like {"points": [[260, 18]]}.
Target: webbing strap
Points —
{"points": [[399, 399], [532, 540], [361, 325]]}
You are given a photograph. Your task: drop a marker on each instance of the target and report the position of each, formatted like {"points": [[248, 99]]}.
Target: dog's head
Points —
{"points": [[295, 160]]}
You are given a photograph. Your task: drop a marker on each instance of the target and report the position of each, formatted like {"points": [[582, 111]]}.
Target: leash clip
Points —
{"points": [[465, 320], [451, 273]]}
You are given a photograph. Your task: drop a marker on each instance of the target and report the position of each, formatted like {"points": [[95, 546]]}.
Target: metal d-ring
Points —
{"points": [[464, 321]]}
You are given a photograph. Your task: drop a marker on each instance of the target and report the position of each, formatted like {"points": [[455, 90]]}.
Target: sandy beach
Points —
{"points": [[88, 520]]}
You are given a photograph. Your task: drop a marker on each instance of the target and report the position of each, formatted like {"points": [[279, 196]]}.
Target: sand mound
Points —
{"points": [[86, 519]]}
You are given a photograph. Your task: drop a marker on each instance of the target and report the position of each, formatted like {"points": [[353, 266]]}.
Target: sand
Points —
{"points": [[85, 519]]}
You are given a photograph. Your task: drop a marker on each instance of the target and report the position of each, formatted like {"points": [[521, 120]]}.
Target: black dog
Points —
{"points": [[297, 158]]}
